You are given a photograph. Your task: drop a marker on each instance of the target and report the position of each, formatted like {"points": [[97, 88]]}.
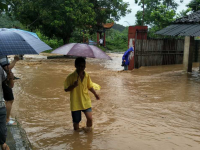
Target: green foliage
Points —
{"points": [[109, 21], [162, 17], [77, 36], [62, 17], [102, 48], [53, 42], [9, 22], [183, 13], [116, 40], [194, 5], [157, 14], [118, 27], [3, 6], [63, 21], [54, 18], [151, 5], [110, 9]]}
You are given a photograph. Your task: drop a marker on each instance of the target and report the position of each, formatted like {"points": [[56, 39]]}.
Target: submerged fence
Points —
{"points": [[161, 52]]}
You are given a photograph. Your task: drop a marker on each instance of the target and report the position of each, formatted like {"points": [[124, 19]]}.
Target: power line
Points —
{"points": [[127, 22]]}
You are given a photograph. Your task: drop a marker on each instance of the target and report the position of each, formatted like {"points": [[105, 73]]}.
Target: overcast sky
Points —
{"points": [[130, 18]]}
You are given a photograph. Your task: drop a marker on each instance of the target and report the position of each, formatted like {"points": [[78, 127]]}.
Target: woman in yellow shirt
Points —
{"points": [[78, 83]]}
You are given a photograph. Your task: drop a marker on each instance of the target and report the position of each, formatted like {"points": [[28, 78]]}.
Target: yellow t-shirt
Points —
{"points": [[79, 96]]}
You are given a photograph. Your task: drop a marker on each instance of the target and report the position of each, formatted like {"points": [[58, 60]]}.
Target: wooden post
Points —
{"points": [[190, 58], [83, 38]]}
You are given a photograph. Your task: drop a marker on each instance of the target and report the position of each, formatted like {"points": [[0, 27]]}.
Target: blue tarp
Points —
{"points": [[92, 42]]}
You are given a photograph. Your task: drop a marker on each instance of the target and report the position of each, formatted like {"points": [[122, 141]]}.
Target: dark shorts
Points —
{"points": [[76, 115], [7, 92], [3, 129]]}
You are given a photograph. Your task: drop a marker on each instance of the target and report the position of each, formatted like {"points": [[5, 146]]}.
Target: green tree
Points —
{"points": [[8, 22], [162, 17], [194, 5], [118, 27], [117, 40], [108, 10], [62, 17], [149, 6], [54, 18]]}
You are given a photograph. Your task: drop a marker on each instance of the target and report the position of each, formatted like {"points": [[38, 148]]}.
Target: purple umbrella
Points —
{"points": [[81, 50]]}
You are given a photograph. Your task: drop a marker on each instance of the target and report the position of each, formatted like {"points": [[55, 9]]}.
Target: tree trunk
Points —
{"points": [[66, 40]]}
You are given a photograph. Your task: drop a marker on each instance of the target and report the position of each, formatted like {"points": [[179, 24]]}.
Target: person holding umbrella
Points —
{"points": [[3, 130], [7, 91], [78, 83], [18, 42]]}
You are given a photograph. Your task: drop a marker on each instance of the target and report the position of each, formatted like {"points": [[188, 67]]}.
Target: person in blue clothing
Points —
{"points": [[125, 58]]}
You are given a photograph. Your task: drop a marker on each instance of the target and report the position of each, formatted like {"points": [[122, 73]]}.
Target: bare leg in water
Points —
{"points": [[8, 109], [89, 123], [5, 147]]}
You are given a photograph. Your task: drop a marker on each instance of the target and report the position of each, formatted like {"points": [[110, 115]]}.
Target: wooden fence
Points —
{"points": [[162, 52], [158, 52]]}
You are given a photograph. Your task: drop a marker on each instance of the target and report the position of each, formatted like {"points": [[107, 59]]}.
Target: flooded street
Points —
{"points": [[151, 108]]}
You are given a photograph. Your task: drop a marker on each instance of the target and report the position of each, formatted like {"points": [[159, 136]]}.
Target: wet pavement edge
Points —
{"points": [[17, 138]]}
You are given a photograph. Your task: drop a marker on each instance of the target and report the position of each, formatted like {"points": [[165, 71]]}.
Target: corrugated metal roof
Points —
{"points": [[181, 30]]}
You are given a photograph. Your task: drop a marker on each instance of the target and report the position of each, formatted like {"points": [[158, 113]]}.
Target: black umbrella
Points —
{"points": [[18, 42]]}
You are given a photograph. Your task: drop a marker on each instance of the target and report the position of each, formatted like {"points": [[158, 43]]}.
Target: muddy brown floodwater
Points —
{"points": [[151, 108]]}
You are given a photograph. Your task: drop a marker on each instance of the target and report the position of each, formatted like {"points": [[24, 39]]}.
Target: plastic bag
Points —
{"points": [[123, 63]]}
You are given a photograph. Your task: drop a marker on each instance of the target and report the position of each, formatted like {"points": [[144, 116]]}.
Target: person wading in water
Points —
{"points": [[78, 83]]}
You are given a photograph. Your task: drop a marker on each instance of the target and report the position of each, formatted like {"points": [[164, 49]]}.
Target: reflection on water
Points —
{"points": [[151, 108]]}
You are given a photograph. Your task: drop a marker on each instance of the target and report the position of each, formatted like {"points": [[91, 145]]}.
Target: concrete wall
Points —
{"points": [[186, 52]]}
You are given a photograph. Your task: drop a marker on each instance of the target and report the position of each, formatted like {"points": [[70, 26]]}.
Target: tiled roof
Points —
{"points": [[108, 25], [181, 30], [191, 18], [185, 26]]}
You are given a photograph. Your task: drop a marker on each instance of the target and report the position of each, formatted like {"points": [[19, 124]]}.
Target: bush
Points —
{"points": [[53, 43]]}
